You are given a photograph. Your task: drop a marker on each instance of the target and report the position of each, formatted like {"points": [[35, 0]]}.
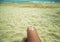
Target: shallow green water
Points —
{"points": [[14, 22]]}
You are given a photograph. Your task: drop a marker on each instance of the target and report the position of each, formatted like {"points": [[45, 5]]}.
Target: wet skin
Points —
{"points": [[32, 35]]}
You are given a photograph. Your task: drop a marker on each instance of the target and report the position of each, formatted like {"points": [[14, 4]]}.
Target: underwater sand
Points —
{"points": [[14, 21]]}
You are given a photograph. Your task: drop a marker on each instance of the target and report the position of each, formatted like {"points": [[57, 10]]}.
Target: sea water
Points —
{"points": [[16, 17]]}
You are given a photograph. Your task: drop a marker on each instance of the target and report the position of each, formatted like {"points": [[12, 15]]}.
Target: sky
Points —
{"points": [[28, 0]]}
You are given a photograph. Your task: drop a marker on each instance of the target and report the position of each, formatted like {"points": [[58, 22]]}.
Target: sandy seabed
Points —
{"points": [[16, 17]]}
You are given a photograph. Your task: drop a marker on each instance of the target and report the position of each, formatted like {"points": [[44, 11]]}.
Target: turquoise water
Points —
{"points": [[29, 0], [14, 21]]}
